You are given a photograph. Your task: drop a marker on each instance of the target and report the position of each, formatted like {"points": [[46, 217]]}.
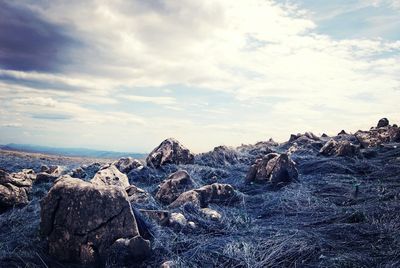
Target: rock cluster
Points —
{"points": [[173, 186], [84, 222], [273, 168], [15, 187], [377, 136], [48, 174], [201, 197], [170, 151], [339, 148], [127, 164]]}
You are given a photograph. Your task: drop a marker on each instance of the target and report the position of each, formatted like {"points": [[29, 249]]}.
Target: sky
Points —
{"points": [[125, 75]]}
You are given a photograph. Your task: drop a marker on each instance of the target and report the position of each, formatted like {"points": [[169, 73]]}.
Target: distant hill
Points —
{"points": [[79, 152]]}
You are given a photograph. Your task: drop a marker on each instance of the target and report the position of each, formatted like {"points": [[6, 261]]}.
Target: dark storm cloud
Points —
{"points": [[28, 42]]}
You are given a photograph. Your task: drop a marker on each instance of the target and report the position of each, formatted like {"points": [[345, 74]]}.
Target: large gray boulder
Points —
{"points": [[173, 186], [82, 222], [110, 175], [170, 151], [273, 168], [15, 188]]}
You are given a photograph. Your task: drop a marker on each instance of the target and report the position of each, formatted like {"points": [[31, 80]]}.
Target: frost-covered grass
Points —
{"points": [[343, 213]]}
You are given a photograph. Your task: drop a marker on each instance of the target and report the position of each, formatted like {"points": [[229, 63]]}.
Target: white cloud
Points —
{"points": [[154, 100], [251, 50]]}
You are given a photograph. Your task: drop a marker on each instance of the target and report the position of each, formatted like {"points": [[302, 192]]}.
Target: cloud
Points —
{"points": [[264, 69], [14, 125], [153, 100], [28, 42]]}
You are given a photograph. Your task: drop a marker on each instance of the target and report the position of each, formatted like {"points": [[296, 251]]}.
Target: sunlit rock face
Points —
{"points": [[170, 151], [81, 221]]}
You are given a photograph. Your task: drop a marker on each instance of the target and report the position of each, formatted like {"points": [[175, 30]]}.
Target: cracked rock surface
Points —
{"points": [[77, 229]]}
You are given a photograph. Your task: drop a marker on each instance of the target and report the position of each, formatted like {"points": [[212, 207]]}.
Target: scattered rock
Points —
{"points": [[378, 136], [168, 264], [129, 250], [384, 122], [136, 195], [86, 172], [81, 221], [201, 197], [273, 168], [211, 214], [170, 151], [15, 187], [159, 216], [48, 174], [342, 132], [173, 186], [306, 136], [110, 175], [339, 148], [126, 164], [191, 196]]}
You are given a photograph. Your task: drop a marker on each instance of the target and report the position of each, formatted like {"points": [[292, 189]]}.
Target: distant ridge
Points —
{"points": [[79, 152]]}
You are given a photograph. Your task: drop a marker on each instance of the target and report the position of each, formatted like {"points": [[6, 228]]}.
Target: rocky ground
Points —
{"points": [[309, 202]]}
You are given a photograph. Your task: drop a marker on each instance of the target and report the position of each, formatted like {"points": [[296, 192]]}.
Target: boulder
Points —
{"points": [[82, 221], [86, 172], [178, 221], [110, 175], [342, 132], [384, 122], [136, 195], [48, 174], [339, 148], [169, 264], [159, 216], [173, 186], [273, 168], [211, 214], [191, 196], [170, 151], [201, 197], [378, 136], [15, 187], [126, 164]]}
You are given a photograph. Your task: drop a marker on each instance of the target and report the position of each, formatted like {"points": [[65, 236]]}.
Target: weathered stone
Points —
{"points": [[86, 172], [384, 122], [378, 136], [191, 196], [211, 214], [273, 168], [168, 264], [15, 187], [126, 164], [110, 175], [136, 195], [170, 151], [159, 216], [201, 197], [173, 186], [81, 221], [339, 148]]}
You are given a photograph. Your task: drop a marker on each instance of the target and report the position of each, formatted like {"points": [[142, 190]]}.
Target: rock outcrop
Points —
{"points": [[126, 164], [215, 193], [15, 187], [384, 122], [110, 175], [339, 148], [82, 222], [170, 151], [273, 168], [173, 186], [377, 136]]}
